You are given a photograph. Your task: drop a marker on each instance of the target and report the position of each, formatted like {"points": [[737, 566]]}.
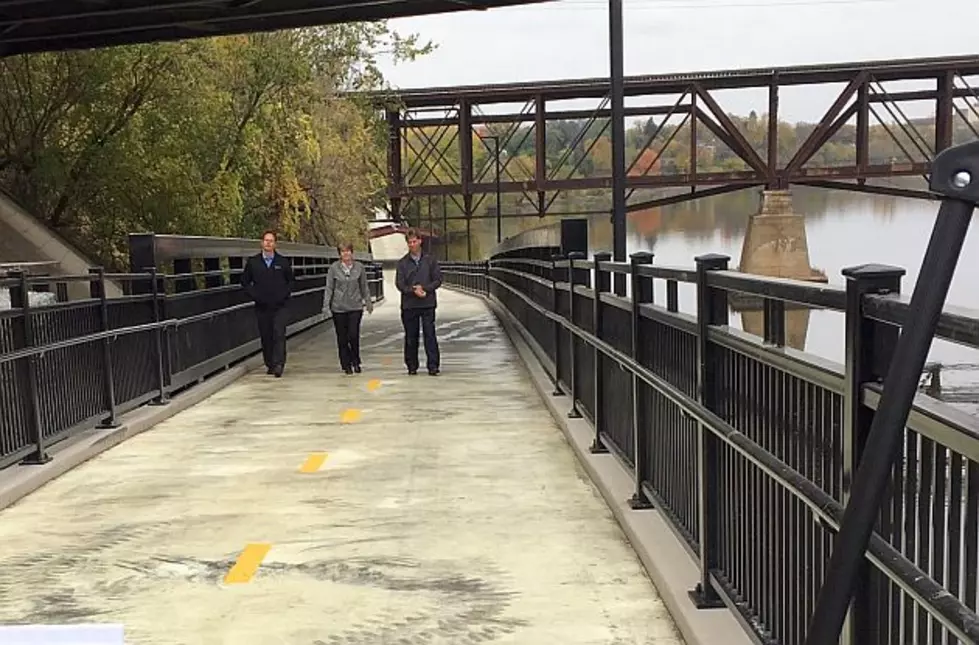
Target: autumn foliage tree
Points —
{"points": [[221, 136]]}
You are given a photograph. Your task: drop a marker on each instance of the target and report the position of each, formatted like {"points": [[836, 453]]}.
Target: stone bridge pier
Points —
{"points": [[776, 245]]}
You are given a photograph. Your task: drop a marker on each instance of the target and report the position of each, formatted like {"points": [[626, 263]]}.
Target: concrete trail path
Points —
{"points": [[326, 509]]}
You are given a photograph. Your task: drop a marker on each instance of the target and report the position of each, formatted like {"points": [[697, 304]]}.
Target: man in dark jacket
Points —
{"points": [[417, 277], [268, 279]]}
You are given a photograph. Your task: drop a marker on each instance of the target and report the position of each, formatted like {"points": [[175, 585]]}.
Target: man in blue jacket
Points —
{"points": [[417, 277], [268, 278]]}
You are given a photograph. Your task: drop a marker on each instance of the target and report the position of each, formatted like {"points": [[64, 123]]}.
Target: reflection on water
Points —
{"points": [[844, 229], [796, 325]]}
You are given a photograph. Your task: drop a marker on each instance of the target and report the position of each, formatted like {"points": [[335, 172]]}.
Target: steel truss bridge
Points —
{"points": [[424, 127]]}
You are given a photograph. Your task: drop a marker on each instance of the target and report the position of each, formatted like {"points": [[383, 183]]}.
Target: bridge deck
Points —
{"points": [[448, 510]]}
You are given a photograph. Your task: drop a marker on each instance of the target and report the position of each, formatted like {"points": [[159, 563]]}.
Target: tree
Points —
{"points": [[220, 136]]}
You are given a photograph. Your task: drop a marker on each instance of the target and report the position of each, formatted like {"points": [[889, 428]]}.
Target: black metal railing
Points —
{"points": [[71, 366], [750, 447]]}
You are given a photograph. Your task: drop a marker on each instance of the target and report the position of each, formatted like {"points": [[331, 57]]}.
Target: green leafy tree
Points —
{"points": [[220, 136]]}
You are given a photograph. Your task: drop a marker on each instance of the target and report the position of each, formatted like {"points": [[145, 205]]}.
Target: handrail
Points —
{"points": [[950, 429], [112, 334], [783, 289], [170, 354], [956, 324]]}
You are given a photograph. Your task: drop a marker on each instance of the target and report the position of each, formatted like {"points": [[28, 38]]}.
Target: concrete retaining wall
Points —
{"points": [[24, 239]]}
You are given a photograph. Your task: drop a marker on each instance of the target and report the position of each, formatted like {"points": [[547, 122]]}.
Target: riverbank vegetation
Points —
{"points": [[221, 136]]}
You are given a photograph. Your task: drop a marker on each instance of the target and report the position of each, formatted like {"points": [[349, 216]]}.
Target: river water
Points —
{"points": [[844, 229]]}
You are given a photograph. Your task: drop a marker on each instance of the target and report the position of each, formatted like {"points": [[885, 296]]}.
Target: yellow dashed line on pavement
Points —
{"points": [[351, 415], [313, 462], [373, 384], [248, 562]]}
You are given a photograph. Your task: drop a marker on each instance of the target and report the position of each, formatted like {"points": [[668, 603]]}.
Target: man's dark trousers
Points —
{"points": [[412, 319], [272, 330], [347, 326]]}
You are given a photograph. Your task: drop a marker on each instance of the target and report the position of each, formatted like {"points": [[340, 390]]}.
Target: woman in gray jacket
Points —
{"points": [[346, 296]]}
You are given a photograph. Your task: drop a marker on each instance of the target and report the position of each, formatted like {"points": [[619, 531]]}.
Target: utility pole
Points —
{"points": [[618, 138]]}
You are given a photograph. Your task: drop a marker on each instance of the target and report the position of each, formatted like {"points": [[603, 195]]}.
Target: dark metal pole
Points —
{"points": [[712, 310], [642, 292], [868, 346], [556, 326], [600, 284], [573, 413], [20, 297], [107, 363], [955, 174], [618, 139], [161, 384], [445, 228]]}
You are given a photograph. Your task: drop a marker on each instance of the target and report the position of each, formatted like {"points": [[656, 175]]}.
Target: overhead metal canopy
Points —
{"points": [[28, 26]]}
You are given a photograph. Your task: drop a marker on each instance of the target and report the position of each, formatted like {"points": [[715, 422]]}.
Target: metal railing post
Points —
{"points": [[371, 285], [20, 298], [868, 346], [556, 326], [601, 281], [773, 321], [573, 413], [379, 284], [161, 397], [642, 292], [711, 310], [955, 175], [97, 290]]}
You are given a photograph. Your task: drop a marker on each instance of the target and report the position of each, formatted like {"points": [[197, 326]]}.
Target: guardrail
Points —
{"points": [[749, 447], [71, 366]]}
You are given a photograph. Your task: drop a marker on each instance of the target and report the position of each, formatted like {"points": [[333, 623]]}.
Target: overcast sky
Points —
{"points": [[569, 38]]}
